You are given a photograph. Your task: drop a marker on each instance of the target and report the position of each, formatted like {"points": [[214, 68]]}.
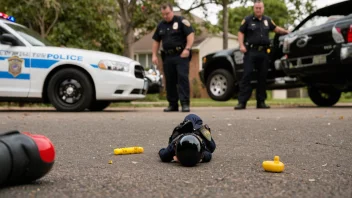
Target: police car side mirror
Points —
{"points": [[8, 39]]}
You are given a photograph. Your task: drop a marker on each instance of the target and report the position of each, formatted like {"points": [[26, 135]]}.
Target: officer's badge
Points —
{"points": [[175, 26], [268, 51], [15, 65], [266, 22], [205, 132], [186, 22], [243, 21]]}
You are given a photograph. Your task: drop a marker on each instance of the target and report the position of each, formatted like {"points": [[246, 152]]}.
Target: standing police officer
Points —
{"points": [[253, 38], [177, 36]]}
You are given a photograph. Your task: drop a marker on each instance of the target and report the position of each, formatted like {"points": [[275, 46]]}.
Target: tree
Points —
{"points": [[133, 14], [224, 23], [37, 14], [276, 9], [300, 8], [86, 24], [143, 15]]}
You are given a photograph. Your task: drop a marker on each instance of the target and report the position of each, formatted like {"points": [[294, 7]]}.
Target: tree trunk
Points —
{"points": [[225, 24], [125, 19], [127, 42]]}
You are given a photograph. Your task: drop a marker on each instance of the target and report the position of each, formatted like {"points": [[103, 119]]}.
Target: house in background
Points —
{"points": [[204, 43]]}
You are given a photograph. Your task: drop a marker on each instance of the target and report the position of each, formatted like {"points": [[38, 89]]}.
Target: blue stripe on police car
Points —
{"points": [[23, 76]]}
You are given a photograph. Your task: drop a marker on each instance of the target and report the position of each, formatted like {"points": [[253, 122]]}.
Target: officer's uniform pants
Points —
{"points": [[176, 70], [258, 60]]}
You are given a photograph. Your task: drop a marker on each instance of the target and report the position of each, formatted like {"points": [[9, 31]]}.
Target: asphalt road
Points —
{"points": [[313, 143]]}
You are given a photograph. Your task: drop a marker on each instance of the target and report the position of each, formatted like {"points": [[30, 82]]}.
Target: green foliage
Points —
{"points": [[283, 13], [276, 9], [347, 95], [89, 25], [236, 16], [300, 9], [40, 15]]}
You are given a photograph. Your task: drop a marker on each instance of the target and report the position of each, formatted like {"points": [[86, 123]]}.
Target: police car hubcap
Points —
{"points": [[70, 91], [218, 85]]}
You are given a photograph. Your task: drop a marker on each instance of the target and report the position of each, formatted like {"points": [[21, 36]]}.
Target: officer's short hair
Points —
{"points": [[166, 5], [258, 1]]}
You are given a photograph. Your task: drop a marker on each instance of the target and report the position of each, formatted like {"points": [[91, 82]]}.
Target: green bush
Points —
{"points": [[347, 95], [151, 98]]}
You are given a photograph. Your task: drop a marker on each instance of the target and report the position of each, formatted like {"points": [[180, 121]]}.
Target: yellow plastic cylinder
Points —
{"points": [[128, 150], [274, 166]]}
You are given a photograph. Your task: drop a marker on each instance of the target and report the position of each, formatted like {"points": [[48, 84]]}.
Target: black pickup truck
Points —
{"points": [[316, 54], [319, 53]]}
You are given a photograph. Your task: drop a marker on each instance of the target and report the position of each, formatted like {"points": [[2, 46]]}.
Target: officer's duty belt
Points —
{"points": [[259, 47], [173, 51]]}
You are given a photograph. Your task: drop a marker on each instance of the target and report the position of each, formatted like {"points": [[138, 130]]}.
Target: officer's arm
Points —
{"points": [[155, 47], [167, 154], [242, 31], [189, 32], [190, 40], [205, 131], [241, 39], [281, 30], [206, 156], [211, 145], [277, 29], [156, 41]]}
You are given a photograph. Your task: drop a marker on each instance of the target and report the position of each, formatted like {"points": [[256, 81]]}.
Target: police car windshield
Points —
{"points": [[31, 36]]}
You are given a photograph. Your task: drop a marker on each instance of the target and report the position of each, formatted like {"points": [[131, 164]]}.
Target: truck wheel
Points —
{"points": [[220, 85], [99, 105], [70, 90], [324, 97]]}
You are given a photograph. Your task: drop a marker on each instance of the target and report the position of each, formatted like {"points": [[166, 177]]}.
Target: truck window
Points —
{"points": [[319, 20]]}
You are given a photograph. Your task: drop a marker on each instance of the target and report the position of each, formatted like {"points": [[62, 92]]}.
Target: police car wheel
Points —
{"points": [[220, 85], [70, 90], [324, 97], [99, 105]]}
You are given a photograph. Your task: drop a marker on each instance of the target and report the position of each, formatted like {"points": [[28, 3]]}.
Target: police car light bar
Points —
{"points": [[7, 17]]}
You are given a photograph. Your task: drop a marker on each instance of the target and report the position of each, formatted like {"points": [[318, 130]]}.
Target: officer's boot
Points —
{"points": [[262, 105], [185, 107], [240, 106], [171, 108]]}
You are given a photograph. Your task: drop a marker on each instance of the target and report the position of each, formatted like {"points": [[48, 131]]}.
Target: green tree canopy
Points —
{"points": [[276, 9]]}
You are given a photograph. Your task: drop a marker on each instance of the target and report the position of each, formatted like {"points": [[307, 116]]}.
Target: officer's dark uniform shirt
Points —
{"points": [[256, 31], [174, 33]]}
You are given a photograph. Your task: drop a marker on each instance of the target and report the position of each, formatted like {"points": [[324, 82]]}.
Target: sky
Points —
{"points": [[214, 9]]}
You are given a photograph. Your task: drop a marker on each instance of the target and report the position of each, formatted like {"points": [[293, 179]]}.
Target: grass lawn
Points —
{"points": [[152, 100]]}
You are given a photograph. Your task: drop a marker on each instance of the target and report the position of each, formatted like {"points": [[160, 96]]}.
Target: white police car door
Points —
{"points": [[14, 70]]}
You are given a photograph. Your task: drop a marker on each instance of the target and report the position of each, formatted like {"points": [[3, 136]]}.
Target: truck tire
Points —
{"points": [[99, 105], [220, 85], [70, 90], [326, 97]]}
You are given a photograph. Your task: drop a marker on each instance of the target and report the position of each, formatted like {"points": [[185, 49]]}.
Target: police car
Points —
{"points": [[70, 79]]}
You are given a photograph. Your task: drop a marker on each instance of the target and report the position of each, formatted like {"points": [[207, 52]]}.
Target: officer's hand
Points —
{"points": [[243, 49], [185, 54], [175, 159], [155, 60]]}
